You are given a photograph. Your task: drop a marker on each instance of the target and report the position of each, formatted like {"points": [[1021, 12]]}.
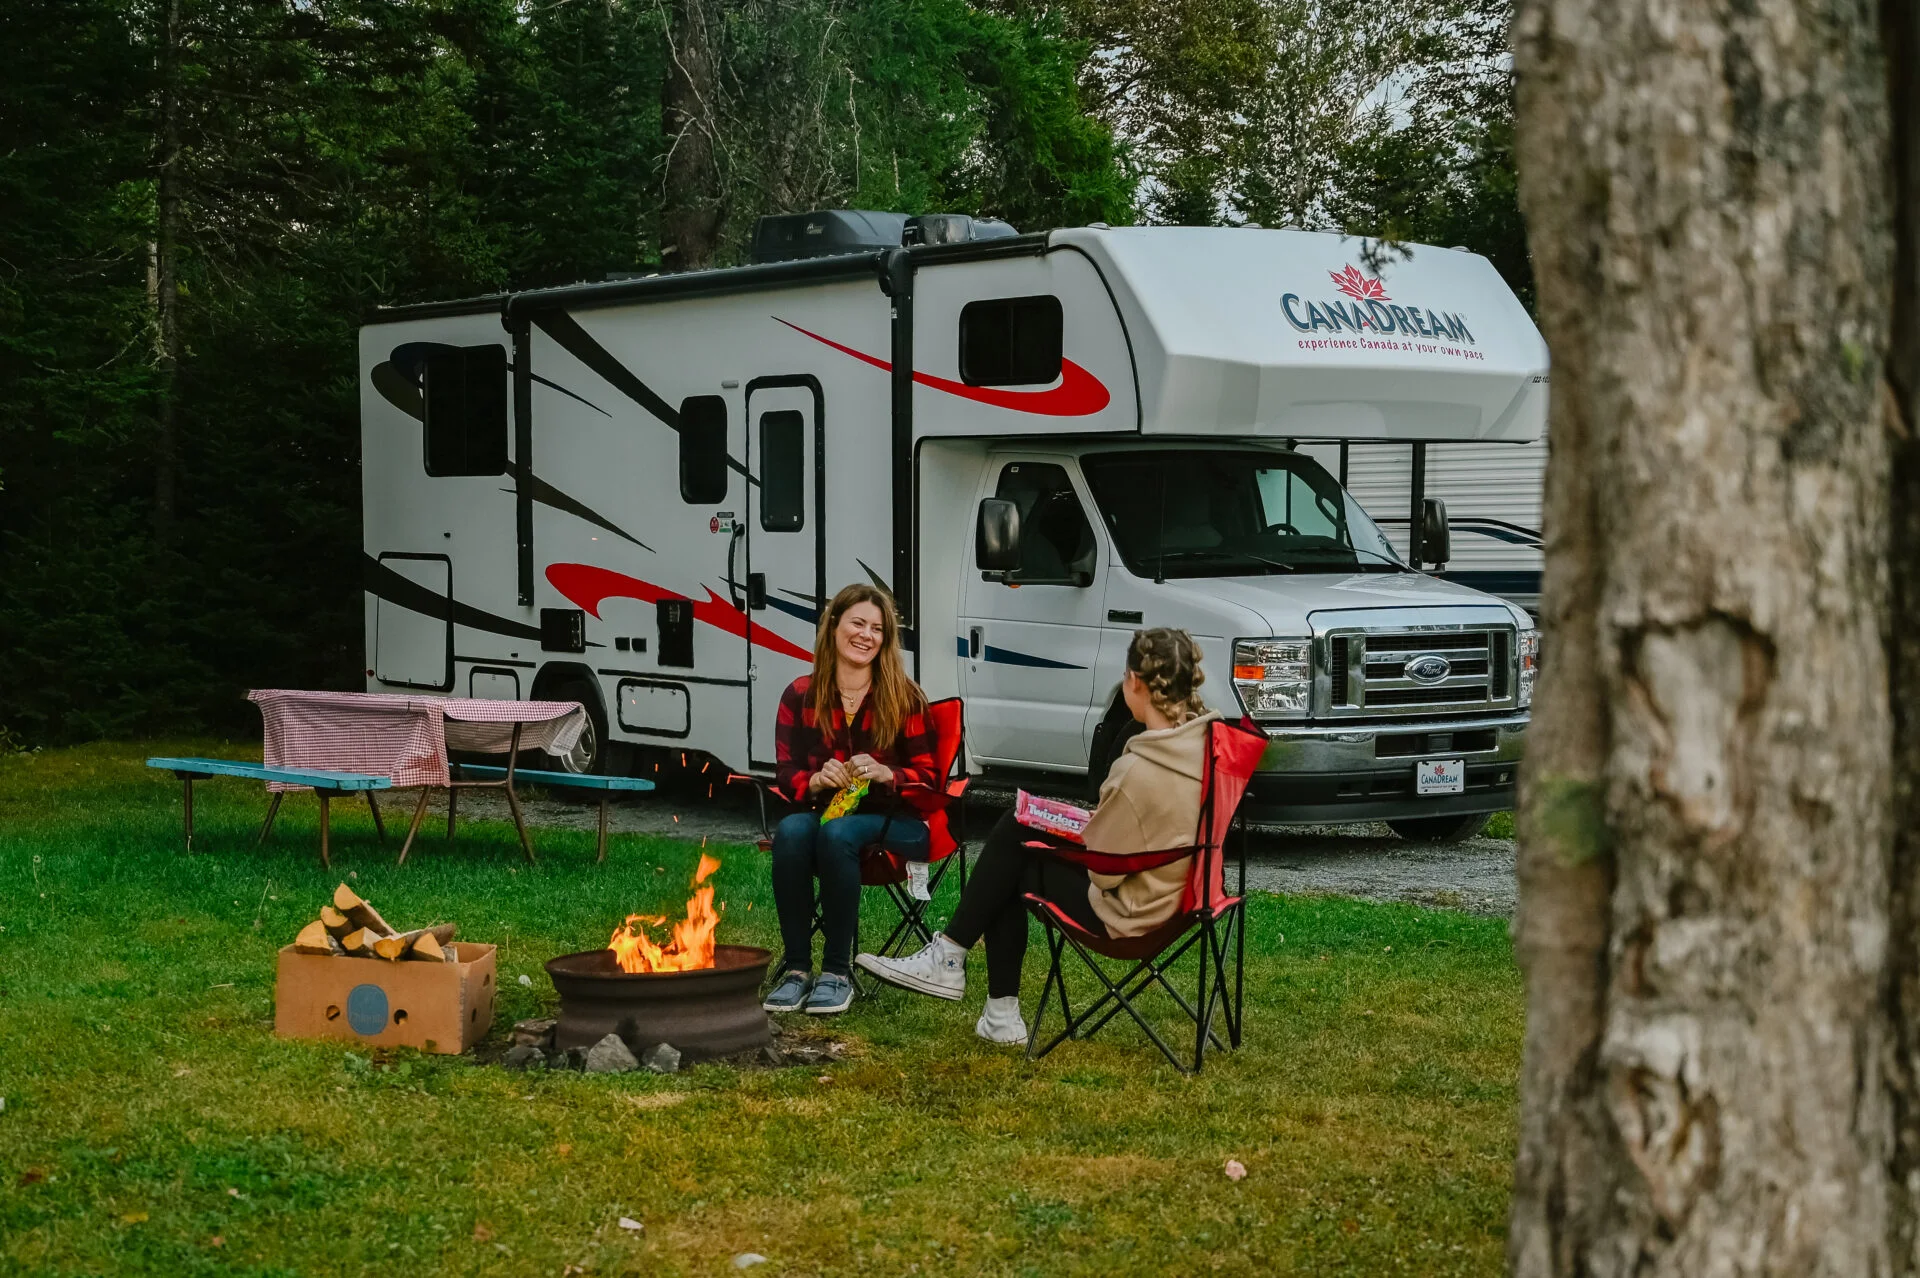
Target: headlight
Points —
{"points": [[1529, 664], [1274, 677]]}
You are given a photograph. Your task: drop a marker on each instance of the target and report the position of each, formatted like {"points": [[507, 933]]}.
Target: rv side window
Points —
{"points": [[1056, 541], [783, 471], [1010, 341], [465, 392], [703, 450]]}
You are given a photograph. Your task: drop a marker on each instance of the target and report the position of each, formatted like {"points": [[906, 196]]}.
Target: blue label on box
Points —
{"points": [[367, 1009]]}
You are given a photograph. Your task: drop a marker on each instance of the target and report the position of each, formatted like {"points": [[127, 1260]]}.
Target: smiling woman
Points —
{"points": [[849, 734]]}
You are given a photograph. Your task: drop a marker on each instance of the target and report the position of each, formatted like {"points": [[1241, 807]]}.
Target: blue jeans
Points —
{"points": [[805, 850]]}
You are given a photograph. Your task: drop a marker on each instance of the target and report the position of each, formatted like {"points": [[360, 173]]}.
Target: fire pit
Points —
{"points": [[706, 1013], [702, 998]]}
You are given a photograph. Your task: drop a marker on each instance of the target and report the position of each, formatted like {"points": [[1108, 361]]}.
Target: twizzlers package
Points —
{"points": [[1050, 816]]}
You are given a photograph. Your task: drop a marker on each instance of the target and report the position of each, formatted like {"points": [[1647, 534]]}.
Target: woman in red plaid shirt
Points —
{"points": [[857, 717]]}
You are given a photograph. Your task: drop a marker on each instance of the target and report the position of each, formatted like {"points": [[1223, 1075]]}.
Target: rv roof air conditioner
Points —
{"points": [[788, 237]]}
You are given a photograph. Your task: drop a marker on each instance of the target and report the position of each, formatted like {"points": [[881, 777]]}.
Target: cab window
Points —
{"points": [[1056, 542]]}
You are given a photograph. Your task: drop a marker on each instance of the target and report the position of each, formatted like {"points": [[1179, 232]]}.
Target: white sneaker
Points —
{"points": [[1001, 1022], [940, 969]]}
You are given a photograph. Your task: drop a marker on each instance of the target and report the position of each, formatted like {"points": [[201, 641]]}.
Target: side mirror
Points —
{"points": [[1436, 537], [996, 536]]}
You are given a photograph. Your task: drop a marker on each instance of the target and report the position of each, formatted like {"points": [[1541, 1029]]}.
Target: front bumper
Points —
{"points": [[1329, 775]]}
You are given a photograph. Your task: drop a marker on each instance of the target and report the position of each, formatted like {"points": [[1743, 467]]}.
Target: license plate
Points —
{"points": [[1440, 776]]}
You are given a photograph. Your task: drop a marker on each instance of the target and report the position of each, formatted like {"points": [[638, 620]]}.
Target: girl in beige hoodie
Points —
{"points": [[1150, 802]]}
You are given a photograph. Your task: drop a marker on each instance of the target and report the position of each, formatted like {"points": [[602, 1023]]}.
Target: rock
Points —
{"points": [[770, 1055], [517, 1057], [661, 1058], [534, 1033], [537, 1061], [610, 1056], [805, 1055], [576, 1058]]}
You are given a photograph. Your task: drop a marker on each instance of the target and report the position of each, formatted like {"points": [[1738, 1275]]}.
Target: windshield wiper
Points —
{"points": [[1390, 563], [1209, 553]]}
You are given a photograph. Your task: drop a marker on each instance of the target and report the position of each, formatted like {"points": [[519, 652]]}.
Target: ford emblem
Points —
{"points": [[1428, 667]]}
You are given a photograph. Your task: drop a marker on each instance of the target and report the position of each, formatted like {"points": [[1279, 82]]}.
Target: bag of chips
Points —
{"points": [[845, 801]]}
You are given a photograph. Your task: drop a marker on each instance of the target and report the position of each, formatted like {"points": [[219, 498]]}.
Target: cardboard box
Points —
{"points": [[437, 1007]]}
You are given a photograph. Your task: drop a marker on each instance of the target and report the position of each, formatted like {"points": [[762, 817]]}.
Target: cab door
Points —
{"points": [[1030, 642]]}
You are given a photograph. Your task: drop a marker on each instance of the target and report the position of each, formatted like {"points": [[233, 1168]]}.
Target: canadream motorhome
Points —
{"points": [[638, 493]]}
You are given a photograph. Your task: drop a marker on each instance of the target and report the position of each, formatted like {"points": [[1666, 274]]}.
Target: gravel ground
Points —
{"points": [[1367, 861]]}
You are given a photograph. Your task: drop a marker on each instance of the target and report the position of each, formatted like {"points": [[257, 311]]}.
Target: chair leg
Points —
{"points": [[1239, 965], [603, 829], [1117, 993], [188, 812], [326, 861], [453, 808], [1054, 977], [379, 826], [273, 810], [1202, 1019], [419, 812]]}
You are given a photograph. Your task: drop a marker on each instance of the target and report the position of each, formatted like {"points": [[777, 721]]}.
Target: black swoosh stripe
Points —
{"points": [[577, 342], [384, 583], [564, 391], [547, 495]]}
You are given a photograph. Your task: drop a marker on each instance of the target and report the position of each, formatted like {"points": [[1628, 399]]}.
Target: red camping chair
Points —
{"points": [[881, 868], [1207, 917]]}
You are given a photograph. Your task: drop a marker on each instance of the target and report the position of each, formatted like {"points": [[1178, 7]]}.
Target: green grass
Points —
{"points": [[153, 1124]]}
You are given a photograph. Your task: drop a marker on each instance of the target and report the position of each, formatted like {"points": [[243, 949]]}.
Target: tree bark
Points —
{"points": [[166, 287], [1900, 32], [1705, 810], [692, 205]]}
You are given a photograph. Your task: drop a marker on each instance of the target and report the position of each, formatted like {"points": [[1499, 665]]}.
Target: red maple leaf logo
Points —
{"points": [[1362, 288]]}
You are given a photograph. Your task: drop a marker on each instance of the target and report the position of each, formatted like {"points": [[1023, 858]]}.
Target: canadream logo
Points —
{"points": [[1370, 310]]}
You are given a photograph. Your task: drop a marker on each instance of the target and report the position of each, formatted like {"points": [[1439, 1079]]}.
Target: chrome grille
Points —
{"points": [[1377, 681]]}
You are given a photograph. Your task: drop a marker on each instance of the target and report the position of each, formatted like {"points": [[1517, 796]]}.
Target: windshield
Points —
{"points": [[1201, 513]]}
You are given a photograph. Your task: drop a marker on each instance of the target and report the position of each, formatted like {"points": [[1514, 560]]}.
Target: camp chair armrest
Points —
{"points": [[1113, 862]]}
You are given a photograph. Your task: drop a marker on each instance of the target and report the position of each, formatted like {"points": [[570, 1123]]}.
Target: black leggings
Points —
{"points": [[993, 906]]}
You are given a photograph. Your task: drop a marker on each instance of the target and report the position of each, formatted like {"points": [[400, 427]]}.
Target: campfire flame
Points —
{"points": [[688, 949]]}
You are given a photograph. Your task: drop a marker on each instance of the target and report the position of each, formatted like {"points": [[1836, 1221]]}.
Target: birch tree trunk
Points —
{"points": [[166, 285], [1705, 827]]}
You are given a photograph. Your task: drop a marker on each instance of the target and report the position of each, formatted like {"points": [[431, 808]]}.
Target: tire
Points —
{"points": [[1109, 738], [592, 752], [1439, 829]]}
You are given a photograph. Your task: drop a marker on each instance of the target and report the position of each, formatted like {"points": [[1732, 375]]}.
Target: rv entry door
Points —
{"points": [[783, 585], [1029, 642]]}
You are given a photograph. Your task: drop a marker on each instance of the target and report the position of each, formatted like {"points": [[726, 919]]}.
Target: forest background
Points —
{"points": [[201, 200]]}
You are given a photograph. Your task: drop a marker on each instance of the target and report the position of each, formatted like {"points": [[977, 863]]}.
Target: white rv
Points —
{"points": [[638, 493]]}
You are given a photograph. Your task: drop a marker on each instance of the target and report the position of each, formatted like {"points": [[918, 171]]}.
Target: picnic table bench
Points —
{"points": [[567, 780], [322, 782]]}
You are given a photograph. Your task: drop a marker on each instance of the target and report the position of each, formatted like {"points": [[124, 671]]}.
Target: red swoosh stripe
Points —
{"points": [[1078, 394], [589, 587]]}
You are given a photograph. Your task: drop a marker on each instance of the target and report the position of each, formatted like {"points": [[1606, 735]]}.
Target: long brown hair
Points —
{"points": [[893, 695], [1168, 662]]}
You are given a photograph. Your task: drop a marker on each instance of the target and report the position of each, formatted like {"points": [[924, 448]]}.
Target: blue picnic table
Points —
{"points": [[323, 783]]}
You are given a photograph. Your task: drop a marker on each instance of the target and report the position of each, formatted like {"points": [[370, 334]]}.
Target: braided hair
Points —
{"points": [[1168, 662]]}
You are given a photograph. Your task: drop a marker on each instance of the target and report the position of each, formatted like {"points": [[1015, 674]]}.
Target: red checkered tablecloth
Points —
{"points": [[404, 738]]}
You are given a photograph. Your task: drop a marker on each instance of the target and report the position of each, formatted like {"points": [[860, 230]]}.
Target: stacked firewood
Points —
{"points": [[351, 928]]}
